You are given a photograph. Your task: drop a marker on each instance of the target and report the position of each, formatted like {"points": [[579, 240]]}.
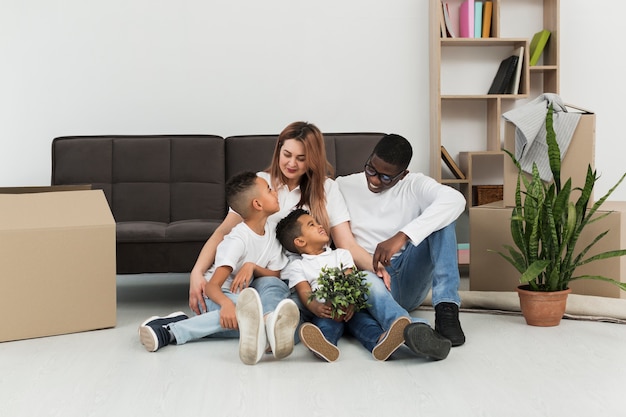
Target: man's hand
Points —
{"points": [[386, 249]]}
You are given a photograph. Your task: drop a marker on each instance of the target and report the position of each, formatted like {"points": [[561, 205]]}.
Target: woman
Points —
{"points": [[298, 172]]}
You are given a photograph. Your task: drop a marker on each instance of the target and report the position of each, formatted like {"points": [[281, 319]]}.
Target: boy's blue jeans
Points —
{"points": [[271, 290], [362, 326]]}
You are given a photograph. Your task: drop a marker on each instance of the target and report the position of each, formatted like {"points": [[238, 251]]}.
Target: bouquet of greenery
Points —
{"points": [[341, 289]]}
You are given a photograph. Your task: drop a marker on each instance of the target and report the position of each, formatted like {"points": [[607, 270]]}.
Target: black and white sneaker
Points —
{"points": [[153, 332]]}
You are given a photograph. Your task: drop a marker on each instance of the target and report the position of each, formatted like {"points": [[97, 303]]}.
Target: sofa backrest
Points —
{"points": [[161, 178], [346, 152], [167, 178], [351, 150]]}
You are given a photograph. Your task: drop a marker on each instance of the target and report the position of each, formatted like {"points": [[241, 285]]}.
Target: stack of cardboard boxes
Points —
{"points": [[490, 224]]}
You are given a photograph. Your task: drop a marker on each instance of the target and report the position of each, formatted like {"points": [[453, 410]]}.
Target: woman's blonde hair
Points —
{"points": [[318, 168]]}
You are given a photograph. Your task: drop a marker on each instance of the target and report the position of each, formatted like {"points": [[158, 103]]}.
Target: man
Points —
{"points": [[406, 222]]}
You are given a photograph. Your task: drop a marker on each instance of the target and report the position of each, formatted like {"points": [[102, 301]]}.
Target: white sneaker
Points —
{"points": [[252, 339], [281, 327]]}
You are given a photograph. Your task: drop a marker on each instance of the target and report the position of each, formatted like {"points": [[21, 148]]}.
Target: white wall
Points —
{"points": [[225, 67]]}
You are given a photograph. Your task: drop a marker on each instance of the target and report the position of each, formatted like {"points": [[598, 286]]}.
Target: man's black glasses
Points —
{"points": [[384, 178]]}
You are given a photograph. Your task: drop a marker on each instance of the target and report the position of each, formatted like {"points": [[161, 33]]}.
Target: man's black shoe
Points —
{"points": [[447, 323], [423, 340]]}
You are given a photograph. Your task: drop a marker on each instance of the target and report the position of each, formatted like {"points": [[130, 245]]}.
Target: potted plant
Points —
{"points": [[341, 288], [545, 227]]}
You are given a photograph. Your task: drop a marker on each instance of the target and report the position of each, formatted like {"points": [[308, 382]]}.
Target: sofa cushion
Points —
{"points": [[351, 150]]}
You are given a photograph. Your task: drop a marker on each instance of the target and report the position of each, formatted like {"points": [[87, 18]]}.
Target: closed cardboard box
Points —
{"points": [[580, 153], [57, 262], [490, 229]]}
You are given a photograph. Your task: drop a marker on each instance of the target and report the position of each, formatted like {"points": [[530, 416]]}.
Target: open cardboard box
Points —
{"points": [[580, 154], [490, 230], [57, 262]]}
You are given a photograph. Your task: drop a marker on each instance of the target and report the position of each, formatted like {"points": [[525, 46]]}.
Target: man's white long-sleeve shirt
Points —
{"points": [[417, 206]]}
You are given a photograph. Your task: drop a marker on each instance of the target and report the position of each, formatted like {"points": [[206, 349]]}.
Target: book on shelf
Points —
{"points": [[452, 13], [451, 164], [502, 80], [537, 44], [466, 19], [514, 87], [442, 22], [487, 14], [478, 19], [447, 20]]}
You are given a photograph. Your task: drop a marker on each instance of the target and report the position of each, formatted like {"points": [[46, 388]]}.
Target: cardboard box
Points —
{"points": [[57, 262], [490, 229], [580, 153]]}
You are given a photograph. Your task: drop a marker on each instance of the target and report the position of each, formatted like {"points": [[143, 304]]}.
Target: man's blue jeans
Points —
{"points": [[431, 264]]}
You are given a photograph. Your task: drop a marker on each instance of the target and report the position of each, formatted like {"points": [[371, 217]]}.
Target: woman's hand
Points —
{"points": [[196, 293]]}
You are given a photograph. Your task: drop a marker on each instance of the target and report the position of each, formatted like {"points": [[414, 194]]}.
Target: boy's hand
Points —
{"points": [[349, 313], [321, 310], [243, 277], [228, 318]]}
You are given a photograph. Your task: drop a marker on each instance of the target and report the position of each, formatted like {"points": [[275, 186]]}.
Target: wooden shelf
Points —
{"points": [[486, 158]]}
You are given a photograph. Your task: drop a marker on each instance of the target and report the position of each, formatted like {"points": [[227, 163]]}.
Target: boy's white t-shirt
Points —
{"points": [[243, 245], [288, 200], [308, 267], [417, 205]]}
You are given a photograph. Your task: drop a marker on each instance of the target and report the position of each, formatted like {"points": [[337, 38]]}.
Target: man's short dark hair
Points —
{"points": [[240, 190], [288, 229], [394, 149]]}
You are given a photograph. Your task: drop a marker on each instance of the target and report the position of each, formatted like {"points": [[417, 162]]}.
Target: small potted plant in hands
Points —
{"points": [[545, 228], [341, 289]]}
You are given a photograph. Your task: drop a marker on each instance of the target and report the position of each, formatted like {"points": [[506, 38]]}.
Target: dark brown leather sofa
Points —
{"points": [[166, 192]]}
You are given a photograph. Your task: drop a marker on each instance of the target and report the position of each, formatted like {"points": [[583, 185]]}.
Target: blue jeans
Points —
{"points": [[362, 326], [382, 305], [271, 290], [431, 264]]}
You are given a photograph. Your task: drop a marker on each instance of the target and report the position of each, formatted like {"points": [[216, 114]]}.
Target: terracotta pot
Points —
{"points": [[541, 308]]}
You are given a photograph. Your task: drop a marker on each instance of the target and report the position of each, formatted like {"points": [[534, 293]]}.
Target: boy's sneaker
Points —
{"points": [[153, 332], [252, 339], [447, 323], [423, 340], [392, 339], [280, 326], [313, 338]]}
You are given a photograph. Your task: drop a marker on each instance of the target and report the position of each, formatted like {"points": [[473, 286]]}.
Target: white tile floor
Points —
{"points": [[506, 368]]}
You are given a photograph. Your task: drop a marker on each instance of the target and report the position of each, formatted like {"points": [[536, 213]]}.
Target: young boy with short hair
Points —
{"points": [[248, 255], [300, 233]]}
